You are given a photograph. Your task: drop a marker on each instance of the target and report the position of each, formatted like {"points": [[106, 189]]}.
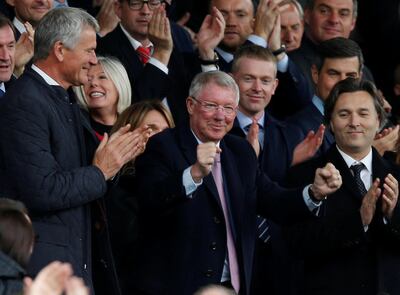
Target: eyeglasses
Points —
{"points": [[210, 107], [138, 4]]}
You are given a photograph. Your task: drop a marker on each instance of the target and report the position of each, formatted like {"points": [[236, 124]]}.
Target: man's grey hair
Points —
{"points": [[298, 7], [215, 289], [64, 25], [311, 3], [222, 79]]}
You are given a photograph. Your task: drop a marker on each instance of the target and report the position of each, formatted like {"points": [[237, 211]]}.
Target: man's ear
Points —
{"points": [[11, 2], [59, 50], [189, 105], [314, 74], [118, 8]]}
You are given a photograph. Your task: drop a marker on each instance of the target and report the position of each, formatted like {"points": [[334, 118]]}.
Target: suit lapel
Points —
{"points": [[233, 187], [188, 145]]}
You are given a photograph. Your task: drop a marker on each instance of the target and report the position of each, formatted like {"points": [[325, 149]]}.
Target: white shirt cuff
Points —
{"points": [[257, 40], [155, 62], [188, 182]]}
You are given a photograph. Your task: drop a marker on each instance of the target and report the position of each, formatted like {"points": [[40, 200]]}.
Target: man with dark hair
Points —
{"points": [[7, 53], [354, 247], [338, 59], [45, 161]]}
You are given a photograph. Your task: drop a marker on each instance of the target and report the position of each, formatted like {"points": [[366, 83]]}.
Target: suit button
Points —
{"points": [[209, 273], [217, 220], [213, 246]]}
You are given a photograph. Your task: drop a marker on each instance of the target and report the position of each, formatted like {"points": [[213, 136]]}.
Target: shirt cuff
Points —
{"points": [[209, 68], [188, 182], [155, 62], [283, 64], [312, 206], [257, 40]]}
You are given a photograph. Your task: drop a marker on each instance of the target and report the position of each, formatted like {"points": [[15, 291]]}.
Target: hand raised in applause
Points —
{"points": [[309, 146], [390, 195], [120, 148], [160, 35]]}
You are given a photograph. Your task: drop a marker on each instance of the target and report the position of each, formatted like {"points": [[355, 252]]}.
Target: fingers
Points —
{"points": [[184, 19]]}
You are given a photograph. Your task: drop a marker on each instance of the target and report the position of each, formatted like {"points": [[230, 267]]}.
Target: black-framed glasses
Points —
{"points": [[138, 4], [211, 107]]}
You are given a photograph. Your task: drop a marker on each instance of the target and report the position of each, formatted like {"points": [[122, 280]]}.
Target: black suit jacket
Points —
{"points": [[149, 82], [183, 240], [340, 257]]}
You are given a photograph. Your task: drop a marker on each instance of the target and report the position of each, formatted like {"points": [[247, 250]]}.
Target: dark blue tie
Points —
{"points": [[357, 178], [2, 93]]}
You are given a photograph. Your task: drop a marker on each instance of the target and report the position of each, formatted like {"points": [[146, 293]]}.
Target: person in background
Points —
{"points": [[7, 53], [106, 94], [292, 25], [122, 207], [16, 243]]}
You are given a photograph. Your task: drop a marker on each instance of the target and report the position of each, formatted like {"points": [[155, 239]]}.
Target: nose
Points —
{"points": [[145, 9], [4, 53], [334, 17], [289, 37], [354, 120], [230, 19], [257, 85], [93, 58], [219, 113]]}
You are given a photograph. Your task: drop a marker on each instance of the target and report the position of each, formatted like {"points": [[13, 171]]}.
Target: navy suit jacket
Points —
{"points": [[149, 82], [44, 163], [279, 142], [340, 257], [183, 240], [310, 118]]}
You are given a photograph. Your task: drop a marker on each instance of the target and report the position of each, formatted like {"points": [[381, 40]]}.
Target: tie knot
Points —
{"points": [[247, 127], [357, 168], [144, 53]]}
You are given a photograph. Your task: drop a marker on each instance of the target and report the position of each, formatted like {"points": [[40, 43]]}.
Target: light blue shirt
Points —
{"points": [[319, 104], [245, 121]]}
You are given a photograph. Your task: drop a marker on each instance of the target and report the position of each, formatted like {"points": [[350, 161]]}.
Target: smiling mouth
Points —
{"points": [[96, 94]]}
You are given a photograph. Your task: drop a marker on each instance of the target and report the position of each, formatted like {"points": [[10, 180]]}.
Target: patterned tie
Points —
{"points": [[357, 177], [233, 264], [144, 54], [1, 93], [260, 133]]}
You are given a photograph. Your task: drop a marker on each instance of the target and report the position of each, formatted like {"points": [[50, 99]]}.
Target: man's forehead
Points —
{"points": [[336, 4], [347, 64], [243, 5]]}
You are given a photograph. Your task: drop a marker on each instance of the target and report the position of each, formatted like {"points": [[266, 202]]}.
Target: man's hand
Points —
{"points": [[389, 196], [252, 137], [182, 22], [51, 280], [210, 34], [76, 286], [106, 17], [368, 205], [327, 180], [387, 140], [309, 146], [160, 35], [24, 49], [265, 18], [205, 159], [123, 146]]}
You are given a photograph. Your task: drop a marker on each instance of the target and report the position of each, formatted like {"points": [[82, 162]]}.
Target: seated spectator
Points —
{"points": [[16, 243], [122, 204], [107, 94]]}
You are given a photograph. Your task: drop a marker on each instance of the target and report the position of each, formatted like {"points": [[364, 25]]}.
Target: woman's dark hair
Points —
{"points": [[16, 231]]}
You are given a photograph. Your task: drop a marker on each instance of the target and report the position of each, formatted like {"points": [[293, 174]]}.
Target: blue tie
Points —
{"points": [[1, 93], [357, 178]]}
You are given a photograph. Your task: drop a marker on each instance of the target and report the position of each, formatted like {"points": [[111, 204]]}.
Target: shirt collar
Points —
{"points": [[199, 141], [367, 160], [245, 121], [46, 77], [2, 86], [319, 104], [19, 25], [135, 43], [226, 56]]}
